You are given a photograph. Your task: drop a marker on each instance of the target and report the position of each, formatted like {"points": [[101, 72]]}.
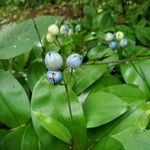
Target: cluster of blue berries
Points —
{"points": [[54, 64], [116, 40]]}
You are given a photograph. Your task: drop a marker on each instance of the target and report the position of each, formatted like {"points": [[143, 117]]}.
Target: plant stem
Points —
{"points": [[119, 61], [69, 103], [38, 33], [140, 74]]}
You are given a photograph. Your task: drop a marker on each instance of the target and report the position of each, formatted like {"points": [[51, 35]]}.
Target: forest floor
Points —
{"points": [[12, 14]]}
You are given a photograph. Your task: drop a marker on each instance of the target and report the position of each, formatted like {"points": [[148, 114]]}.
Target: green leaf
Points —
{"points": [[128, 93], [90, 12], [34, 72], [143, 35], [54, 127], [17, 39], [137, 117], [105, 81], [136, 51], [52, 100], [30, 139], [101, 108], [137, 73], [14, 103], [86, 75], [99, 52], [103, 22], [13, 139], [22, 138], [3, 132], [133, 139]]}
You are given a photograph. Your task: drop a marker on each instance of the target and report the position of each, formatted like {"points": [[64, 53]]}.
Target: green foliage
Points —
{"points": [[132, 138], [18, 39], [102, 105]]}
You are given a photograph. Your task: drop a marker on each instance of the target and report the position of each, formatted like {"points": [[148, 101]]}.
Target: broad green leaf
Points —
{"points": [[14, 103], [103, 22], [133, 139], [101, 108], [17, 39], [22, 138], [52, 100], [133, 51], [54, 127], [13, 139], [86, 75], [143, 35], [128, 93], [100, 52], [90, 12], [136, 117], [30, 139], [3, 132], [105, 81], [34, 72], [137, 73]]}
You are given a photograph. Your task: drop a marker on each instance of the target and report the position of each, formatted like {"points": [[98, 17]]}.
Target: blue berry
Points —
{"points": [[64, 29], [53, 61], [109, 37], [123, 43], [74, 61], [54, 77], [113, 45]]}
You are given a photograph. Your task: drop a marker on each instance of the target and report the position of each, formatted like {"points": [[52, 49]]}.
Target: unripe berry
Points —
{"points": [[49, 38], [64, 29], [70, 31], [53, 29], [113, 45], [53, 61], [119, 35], [54, 77], [109, 37], [78, 28], [74, 61], [123, 43]]}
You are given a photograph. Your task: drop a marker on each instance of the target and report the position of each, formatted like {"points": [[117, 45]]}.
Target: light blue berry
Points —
{"points": [[123, 43], [53, 61], [64, 29], [113, 45], [54, 77], [74, 61]]}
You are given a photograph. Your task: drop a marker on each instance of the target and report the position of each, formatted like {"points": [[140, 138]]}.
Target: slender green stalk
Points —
{"points": [[123, 61], [38, 33], [69, 103], [140, 74]]}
